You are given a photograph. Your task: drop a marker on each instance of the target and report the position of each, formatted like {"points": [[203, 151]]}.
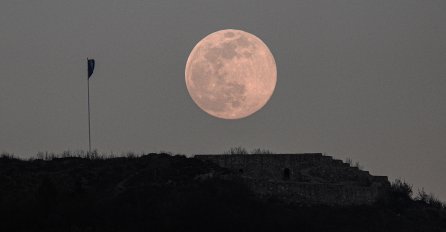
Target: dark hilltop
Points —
{"points": [[165, 192]]}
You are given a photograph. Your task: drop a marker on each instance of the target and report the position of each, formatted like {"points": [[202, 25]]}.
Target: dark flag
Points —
{"points": [[90, 63]]}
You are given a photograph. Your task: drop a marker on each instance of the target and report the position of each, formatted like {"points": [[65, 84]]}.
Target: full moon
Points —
{"points": [[231, 74]]}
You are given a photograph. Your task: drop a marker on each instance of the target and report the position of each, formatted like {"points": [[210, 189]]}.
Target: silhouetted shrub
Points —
{"points": [[349, 161], [237, 151], [260, 151], [166, 152], [243, 151], [401, 189], [131, 155], [46, 156], [429, 199], [7, 156]]}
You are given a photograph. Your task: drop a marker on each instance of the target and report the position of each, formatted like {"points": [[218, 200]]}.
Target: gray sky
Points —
{"points": [[358, 79]]}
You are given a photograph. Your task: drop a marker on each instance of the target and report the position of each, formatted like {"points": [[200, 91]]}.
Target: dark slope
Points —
{"points": [[174, 193]]}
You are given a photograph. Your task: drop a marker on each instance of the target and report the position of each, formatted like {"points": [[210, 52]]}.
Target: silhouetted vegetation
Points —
{"points": [[429, 199], [236, 151], [261, 151], [243, 151], [5, 155], [162, 192], [401, 189], [350, 162], [94, 155]]}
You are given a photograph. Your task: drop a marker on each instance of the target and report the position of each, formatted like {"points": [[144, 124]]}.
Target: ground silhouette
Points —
{"points": [[163, 192]]}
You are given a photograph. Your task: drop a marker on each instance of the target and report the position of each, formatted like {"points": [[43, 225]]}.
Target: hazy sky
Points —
{"points": [[358, 79]]}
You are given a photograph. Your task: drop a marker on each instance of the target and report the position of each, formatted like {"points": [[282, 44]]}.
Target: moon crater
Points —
{"points": [[230, 74]]}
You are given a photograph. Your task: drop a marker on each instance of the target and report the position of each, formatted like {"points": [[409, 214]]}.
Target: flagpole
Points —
{"points": [[89, 130]]}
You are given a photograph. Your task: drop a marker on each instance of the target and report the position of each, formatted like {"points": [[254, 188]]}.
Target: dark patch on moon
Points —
{"points": [[235, 94], [200, 74], [215, 54], [227, 51], [223, 96], [244, 42]]}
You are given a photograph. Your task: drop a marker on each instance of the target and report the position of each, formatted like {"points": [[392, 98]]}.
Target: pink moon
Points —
{"points": [[231, 74]]}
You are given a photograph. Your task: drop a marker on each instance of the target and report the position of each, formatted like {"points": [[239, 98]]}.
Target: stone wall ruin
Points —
{"points": [[309, 178]]}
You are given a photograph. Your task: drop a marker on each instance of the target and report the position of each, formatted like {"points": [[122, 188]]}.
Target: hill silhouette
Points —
{"points": [[162, 192]]}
